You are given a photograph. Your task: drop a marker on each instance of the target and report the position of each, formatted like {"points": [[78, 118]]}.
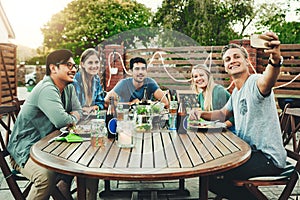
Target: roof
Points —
{"points": [[11, 34]]}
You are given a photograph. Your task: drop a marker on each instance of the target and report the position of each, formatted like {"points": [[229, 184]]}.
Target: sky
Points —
{"points": [[27, 17]]}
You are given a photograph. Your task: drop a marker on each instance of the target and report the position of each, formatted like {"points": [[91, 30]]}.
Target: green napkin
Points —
{"points": [[69, 138]]}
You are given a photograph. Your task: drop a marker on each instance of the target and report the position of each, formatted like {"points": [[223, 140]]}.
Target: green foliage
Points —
{"points": [[33, 61], [214, 22], [208, 22], [83, 24], [289, 32], [274, 19]]}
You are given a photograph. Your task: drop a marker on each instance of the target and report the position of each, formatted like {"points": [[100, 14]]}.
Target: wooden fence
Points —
{"points": [[8, 80], [171, 67]]}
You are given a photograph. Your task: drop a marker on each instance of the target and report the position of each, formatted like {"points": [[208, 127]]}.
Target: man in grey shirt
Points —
{"points": [[252, 104], [51, 105], [132, 89]]}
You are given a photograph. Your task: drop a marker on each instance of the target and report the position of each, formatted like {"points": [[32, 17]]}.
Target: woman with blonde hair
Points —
{"points": [[211, 96], [87, 82]]}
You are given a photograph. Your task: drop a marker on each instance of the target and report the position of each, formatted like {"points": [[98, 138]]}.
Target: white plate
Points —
{"points": [[212, 126]]}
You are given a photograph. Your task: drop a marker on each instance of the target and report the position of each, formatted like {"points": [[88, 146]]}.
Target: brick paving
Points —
{"points": [[191, 184]]}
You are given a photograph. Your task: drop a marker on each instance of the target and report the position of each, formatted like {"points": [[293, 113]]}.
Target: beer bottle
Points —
{"points": [[144, 100], [111, 119], [181, 125]]}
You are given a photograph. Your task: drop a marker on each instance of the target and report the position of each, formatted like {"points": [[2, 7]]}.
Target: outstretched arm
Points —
{"points": [[268, 80]]}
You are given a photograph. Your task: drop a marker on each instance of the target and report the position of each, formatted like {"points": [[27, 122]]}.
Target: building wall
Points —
{"points": [[3, 32]]}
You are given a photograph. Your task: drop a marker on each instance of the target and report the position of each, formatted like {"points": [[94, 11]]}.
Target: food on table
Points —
{"points": [[143, 127], [201, 123]]}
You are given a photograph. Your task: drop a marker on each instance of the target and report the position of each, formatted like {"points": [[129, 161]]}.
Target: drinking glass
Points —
{"points": [[125, 133], [98, 133]]}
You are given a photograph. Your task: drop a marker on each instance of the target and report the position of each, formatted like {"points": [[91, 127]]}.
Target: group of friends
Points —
{"points": [[67, 91]]}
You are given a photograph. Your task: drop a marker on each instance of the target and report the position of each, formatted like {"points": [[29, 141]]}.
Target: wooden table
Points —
{"points": [[156, 156]]}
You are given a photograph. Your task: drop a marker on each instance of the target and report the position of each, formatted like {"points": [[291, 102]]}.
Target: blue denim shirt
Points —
{"points": [[98, 93]]}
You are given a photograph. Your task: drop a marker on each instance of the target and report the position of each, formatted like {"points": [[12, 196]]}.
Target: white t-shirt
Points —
{"points": [[256, 120]]}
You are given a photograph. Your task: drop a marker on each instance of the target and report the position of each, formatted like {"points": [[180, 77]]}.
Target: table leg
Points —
{"points": [[107, 185], [203, 187], [81, 187], [181, 184]]}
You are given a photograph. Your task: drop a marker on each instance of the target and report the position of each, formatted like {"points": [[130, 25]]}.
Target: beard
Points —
{"points": [[139, 79]]}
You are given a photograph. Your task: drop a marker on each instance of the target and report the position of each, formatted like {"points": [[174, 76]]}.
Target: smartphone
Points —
{"points": [[260, 41]]}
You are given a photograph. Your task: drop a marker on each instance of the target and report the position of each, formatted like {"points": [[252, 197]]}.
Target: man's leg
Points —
{"points": [[257, 165], [42, 178]]}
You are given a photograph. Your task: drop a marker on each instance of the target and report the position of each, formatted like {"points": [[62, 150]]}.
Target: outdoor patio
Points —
{"points": [[192, 184]]}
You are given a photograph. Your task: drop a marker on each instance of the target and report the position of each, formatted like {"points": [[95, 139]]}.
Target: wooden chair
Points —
{"points": [[285, 125], [12, 176], [289, 176]]}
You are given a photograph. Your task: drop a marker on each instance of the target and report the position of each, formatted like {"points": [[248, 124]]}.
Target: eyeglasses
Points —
{"points": [[69, 65]]}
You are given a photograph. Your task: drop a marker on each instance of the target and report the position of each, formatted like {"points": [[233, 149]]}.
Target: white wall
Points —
{"points": [[3, 32]]}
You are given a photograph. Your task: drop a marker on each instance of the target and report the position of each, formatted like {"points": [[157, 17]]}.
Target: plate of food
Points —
{"points": [[205, 125]]}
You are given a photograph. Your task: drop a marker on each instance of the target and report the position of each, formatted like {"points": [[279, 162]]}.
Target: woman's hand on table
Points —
{"points": [[195, 114]]}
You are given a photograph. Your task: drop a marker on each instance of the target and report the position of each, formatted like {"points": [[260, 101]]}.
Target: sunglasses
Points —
{"points": [[69, 65]]}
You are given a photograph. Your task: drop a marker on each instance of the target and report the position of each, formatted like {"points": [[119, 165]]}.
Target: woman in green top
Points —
{"points": [[211, 96]]}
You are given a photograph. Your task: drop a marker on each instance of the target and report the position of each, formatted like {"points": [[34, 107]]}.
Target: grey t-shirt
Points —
{"points": [[127, 92], [256, 120]]}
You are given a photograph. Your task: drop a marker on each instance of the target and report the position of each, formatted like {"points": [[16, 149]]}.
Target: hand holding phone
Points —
{"points": [[260, 41]]}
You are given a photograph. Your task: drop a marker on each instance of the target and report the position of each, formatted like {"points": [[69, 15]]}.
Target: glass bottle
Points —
{"points": [[144, 100], [111, 119], [181, 124]]}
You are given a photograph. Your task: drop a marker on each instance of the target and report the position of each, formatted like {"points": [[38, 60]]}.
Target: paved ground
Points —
{"points": [[191, 184]]}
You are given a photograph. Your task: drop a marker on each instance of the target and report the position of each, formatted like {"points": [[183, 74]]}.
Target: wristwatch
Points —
{"points": [[276, 65]]}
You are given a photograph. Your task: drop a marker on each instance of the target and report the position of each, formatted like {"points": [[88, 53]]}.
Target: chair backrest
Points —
{"points": [[285, 125], [8, 115], [18, 103], [294, 124]]}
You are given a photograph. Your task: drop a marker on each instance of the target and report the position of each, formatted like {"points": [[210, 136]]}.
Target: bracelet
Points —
{"points": [[276, 65]]}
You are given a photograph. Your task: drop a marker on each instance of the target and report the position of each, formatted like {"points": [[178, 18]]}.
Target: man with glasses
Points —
{"points": [[52, 104], [133, 89]]}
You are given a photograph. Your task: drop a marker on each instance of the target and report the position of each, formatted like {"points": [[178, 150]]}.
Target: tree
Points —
{"points": [[209, 22], [213, 22], [84, 24], [274, 19]]}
